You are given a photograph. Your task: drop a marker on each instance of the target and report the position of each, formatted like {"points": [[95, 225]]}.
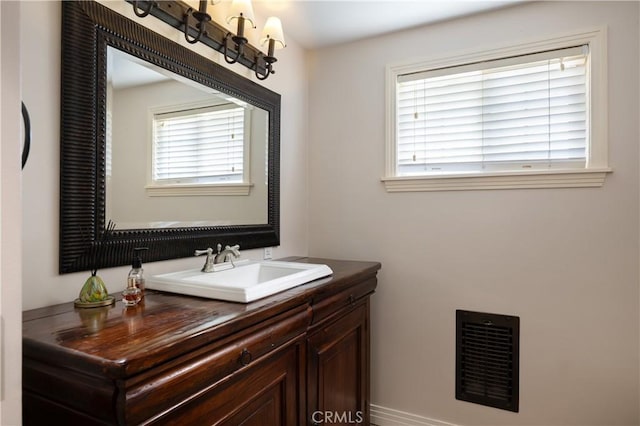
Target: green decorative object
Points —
{"points": [[94, 293], [93, 290]]}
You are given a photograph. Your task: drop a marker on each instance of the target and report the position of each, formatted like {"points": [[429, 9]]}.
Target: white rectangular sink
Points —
{"points": [[244, 283]]}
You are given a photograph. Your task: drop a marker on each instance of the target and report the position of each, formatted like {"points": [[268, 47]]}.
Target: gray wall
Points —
{"points": [[564, 260]]}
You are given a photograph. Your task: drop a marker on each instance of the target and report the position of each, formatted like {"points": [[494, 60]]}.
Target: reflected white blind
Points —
{"points": [[515, 113], [199, 145]]}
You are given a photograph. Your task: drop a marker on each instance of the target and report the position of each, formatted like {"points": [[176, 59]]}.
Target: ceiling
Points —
{"points": [[320, 23]]}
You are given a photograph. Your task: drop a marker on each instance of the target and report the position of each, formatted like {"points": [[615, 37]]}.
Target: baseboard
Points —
{"points": [[383, 416]]}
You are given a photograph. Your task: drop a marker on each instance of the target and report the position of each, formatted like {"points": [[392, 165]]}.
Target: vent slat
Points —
{"points": [[504, 388], [485, 374], [487, 359], [471, 337], [486, 336], [488, 369], [482, 378], [486, 344], [489, 352], [482, 389], [484, 327], [484, 362], [492, 340], [481, 338]]}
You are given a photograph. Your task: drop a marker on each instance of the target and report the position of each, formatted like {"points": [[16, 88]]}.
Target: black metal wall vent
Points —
{"points": [[487, 359]]}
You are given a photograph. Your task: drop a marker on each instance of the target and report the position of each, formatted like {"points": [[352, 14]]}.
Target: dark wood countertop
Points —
{"points": [[120, 342]]}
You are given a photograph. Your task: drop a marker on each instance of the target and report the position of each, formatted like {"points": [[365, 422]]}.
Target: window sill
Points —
{"points": [[579, 178], [191, 190]]}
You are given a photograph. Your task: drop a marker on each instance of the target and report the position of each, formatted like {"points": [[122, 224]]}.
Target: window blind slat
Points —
{"points": [[570, 53]]}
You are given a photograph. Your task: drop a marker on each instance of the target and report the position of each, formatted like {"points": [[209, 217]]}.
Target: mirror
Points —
{"points": [[179, 153], [184, 214]]}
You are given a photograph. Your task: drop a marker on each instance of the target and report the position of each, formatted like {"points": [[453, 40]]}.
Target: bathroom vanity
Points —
{"points": [[186, 360]]}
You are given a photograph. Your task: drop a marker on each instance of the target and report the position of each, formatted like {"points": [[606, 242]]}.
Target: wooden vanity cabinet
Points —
{"points": [[186, 360], [338, 357], [338, 369]]}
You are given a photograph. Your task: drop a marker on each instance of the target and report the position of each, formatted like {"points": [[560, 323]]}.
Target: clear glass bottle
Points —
{"points": [[134, 292], [131, 295], [137, 273]]}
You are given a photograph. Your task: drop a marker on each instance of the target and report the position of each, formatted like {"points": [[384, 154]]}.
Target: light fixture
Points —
{"points": [[241, 10], [273, 36], [178, 14], [145, 12], [201, 16]]}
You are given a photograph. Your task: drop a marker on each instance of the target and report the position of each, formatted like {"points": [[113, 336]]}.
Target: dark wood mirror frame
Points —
{"points": [[88, 28]]}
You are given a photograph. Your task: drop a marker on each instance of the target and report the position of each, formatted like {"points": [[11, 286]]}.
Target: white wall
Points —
{"points": [[10, 271], [40, 38], [564, 260]]}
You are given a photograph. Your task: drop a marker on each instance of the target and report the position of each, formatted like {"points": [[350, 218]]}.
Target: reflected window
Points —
{"points": [[199, 145]]}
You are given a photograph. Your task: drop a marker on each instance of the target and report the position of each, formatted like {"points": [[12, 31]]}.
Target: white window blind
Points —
{"points": [[201, 145], [525, 112]]}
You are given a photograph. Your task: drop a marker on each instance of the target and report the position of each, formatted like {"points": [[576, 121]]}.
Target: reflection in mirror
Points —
{"points": [[178, 153]]}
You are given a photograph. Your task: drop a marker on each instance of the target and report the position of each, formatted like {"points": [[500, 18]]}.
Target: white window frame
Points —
{"points": [[597, 165], [155, 189]]}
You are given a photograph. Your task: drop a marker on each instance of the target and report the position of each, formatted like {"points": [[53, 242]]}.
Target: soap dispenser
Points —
{"points": [[135, 280]]}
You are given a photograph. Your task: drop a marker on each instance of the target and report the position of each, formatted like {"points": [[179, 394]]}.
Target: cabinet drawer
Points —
{"points": [[324, 308], [264, 394], [183, 378]]}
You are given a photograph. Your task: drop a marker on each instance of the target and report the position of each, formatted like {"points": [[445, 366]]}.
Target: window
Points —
{"points": [[199, 147], [518, 120], [524, 112]]}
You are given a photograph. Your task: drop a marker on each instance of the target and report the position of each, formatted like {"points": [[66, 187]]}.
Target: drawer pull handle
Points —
{"points": [[352, 299], [245, 357]]}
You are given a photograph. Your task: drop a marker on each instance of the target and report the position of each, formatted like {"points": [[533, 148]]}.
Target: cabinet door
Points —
{"points": [[338, 372], [265, 393]]}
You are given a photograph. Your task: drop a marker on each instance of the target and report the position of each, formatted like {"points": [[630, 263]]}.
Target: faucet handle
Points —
{"points": [[208, 263], [208, 252], [229, 251]]}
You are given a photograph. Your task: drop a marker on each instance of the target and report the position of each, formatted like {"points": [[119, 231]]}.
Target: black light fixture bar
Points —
{"points": [[173, 12]]}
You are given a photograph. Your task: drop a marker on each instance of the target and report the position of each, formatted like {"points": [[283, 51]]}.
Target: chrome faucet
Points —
{"points": [[221, 256], [227, 254]]}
